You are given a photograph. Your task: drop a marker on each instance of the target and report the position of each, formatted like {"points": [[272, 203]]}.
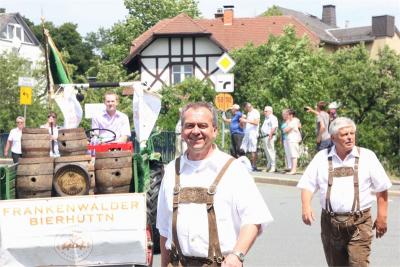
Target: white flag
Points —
{"points": [[146, 107], [70, 107]]}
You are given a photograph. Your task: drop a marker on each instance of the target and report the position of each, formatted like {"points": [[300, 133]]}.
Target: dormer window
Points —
{"points": [[14, 31]]}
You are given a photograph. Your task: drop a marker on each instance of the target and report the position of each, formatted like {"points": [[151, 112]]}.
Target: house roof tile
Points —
{"points": [[243, 31]]}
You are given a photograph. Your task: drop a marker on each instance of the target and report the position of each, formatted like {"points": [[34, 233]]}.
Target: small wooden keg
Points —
{"points": [[34, 177], [113, 172], [35, 142], [72, 142]]}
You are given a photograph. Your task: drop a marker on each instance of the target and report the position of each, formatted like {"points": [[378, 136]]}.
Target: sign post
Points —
{"points": [[223, 101]]}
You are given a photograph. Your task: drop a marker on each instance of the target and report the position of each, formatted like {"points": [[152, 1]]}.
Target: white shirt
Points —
{"points": [[55, 135], [294, 134], [15, 136], [119, 124], [251, 116], [237, 202], [371, 175], [270, 122]]}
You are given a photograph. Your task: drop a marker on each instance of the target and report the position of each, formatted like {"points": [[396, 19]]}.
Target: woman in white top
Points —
{"points": [[14, 140], [294, 138], [53, 132]]}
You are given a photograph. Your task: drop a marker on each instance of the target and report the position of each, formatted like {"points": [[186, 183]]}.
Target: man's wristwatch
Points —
{"points": [[238, 254]]}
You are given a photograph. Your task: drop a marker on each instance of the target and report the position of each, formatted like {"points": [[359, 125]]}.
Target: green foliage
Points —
{"points": [[175, 97], [11, 67], [272, 11]]}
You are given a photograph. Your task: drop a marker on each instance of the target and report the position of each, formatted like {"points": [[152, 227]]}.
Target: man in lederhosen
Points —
{"points": [[345, 176], [209, 208]]}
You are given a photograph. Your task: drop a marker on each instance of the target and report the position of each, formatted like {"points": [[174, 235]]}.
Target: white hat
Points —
{"points": [[235, 106], [333, 105]]}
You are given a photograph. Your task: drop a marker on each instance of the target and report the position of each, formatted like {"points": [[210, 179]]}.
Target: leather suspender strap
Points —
{"points": [[328, 206], [356, 200], [184, 195], [214, 248], [175, 206]]}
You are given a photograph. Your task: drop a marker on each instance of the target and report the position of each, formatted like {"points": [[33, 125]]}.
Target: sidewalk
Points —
{"points": [[291, 180]]}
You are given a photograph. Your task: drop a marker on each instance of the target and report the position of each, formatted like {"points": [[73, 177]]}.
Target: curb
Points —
{"points": [[292, 182]]}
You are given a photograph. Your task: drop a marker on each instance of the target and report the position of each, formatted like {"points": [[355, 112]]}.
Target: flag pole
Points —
{"points": [[50, 89]]}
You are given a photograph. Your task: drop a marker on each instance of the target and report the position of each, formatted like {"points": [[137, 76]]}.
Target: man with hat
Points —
{"points": [[349, 179], [236, 129]]}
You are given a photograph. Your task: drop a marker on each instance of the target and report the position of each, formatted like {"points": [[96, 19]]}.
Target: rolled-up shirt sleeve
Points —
{"points": [[250, 205], [380, 180], [309, 178]]}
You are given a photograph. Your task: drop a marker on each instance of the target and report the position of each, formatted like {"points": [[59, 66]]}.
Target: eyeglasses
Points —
{"points": [[20, 122]]}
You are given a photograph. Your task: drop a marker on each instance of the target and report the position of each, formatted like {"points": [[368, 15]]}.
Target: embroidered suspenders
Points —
{"points": [[198, 195], [343, 172]]}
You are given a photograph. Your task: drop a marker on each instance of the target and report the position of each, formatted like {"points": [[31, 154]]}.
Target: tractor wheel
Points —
{"points": [[156, 175]]}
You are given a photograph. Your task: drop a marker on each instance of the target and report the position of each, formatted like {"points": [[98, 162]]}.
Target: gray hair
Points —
{"points": [[341, 122], [197, 105]]}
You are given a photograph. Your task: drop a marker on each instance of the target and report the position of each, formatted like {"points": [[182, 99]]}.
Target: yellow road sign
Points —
{"points": [[223, 101], [225, 63], [25, 96]]}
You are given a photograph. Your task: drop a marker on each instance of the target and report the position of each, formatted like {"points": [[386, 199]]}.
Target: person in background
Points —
{"points": [[288, 158], [51, 125], [349, 180], [14, 140], [268, 132], [249, 143], [210, 211], [294, 138], [112, 119], [236, 130], [322, 123], [332, 111]]}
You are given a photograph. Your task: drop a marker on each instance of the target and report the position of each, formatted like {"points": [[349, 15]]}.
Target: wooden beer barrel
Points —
{"points": [[35, 142], [34, 177], [85, 161], [113, 172], [72, 142], [71, 180]]}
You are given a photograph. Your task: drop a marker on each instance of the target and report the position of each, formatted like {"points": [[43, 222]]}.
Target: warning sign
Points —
{"points": [[25, 97]]}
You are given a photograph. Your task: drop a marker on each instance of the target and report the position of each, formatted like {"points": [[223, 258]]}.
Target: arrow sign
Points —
{"points": [[224, 83]]}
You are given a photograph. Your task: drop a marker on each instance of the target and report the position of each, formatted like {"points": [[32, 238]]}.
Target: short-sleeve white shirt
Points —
{"points": [[252, 115], [371, 175], [237, 202], [119, 124], [15, 136], [270, 122], [294, 134]]}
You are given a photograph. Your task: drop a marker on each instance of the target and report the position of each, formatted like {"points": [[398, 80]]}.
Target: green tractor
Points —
{"points": [[147, 173]]}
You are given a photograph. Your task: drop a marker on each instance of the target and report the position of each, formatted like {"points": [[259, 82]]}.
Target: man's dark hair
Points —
{"points": [[321, 105], [197, 105]]}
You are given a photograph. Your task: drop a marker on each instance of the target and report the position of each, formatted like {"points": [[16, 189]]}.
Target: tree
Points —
{"points": [[272, 11], [11, 67], [174, 97]]}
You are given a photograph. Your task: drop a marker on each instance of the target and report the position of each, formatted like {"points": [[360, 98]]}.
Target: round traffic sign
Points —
{"points": [[223, 101]]}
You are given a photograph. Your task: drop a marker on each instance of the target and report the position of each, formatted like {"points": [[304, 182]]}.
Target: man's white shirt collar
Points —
{"points": [[211, 162], [354, 153]]}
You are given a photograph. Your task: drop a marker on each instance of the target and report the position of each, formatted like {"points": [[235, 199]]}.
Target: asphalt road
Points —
{"points": [[288, 242]]}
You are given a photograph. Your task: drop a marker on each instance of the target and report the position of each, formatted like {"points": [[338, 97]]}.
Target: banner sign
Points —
{"points": [[74, 231]]}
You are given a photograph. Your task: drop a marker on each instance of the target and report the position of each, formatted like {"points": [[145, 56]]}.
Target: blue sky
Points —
{"points": [[92, 14]]}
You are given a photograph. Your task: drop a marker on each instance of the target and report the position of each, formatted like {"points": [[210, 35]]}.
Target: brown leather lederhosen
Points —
{"points": [[346, 236], [199, 195]]}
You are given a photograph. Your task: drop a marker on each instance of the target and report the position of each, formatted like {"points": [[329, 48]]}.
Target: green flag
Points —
{"points": [[58, 70]]}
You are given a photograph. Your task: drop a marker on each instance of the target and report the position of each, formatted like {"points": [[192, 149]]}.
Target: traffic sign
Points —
{"points": [[224, 83], [25, 95], [223, 101], [26, 81], [225, 63]]}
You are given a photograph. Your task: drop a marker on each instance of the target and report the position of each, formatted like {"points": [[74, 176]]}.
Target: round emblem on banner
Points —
{"points": [[74, 244]]}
